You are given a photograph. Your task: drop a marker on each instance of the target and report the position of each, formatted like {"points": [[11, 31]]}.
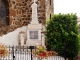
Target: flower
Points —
{"points": [[3, 51], [41, 52], [21, 32]]}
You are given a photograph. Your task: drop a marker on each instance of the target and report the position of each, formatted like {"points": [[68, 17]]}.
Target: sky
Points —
{"points": [[67, 6]]}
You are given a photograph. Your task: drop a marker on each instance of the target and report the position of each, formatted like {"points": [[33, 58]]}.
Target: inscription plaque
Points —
{"points": [[33, 35]]}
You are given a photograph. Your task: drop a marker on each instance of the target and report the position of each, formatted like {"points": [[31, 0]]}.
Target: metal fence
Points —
{"points": [[25, 53]]}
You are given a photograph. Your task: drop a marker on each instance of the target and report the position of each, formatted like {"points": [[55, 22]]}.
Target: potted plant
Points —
{"points": [[42, 53], [3, 51]]}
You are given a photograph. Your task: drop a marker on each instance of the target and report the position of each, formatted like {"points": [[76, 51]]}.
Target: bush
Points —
{"points": [[79, 42], [62, 35]]}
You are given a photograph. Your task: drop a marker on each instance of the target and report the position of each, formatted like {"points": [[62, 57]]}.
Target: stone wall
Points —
{"points": [[49, 8], [20, 13]]}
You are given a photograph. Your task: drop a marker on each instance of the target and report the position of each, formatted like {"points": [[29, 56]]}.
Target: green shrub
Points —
{"points": [[62, 35], [79, 42]]}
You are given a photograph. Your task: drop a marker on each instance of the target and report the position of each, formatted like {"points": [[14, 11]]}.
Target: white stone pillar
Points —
{"points": [[43, 40], [22, 39]]}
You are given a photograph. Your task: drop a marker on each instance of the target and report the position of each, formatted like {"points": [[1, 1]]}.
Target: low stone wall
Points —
{"points": [[12, 38]]}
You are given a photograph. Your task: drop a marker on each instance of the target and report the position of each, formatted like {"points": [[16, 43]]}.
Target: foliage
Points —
{"points": [[79, 42], [41, 52], [62, 34], [3, 51], [79, 37]]}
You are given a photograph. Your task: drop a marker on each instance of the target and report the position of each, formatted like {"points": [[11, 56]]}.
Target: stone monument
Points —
{"points": [[34, 28]]}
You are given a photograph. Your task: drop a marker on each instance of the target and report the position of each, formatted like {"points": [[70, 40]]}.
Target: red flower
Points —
{"points": [[42, 55], [41, 52]]}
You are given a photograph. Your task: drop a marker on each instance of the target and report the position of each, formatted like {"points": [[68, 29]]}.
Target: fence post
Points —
{"points": [[31, 47], [13, 52]]}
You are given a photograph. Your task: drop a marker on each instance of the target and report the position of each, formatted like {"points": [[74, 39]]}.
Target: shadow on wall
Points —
{"points": [[13, 37]]}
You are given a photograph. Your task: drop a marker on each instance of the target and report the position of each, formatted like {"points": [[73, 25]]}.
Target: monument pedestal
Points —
{"points": [[34, 34]]}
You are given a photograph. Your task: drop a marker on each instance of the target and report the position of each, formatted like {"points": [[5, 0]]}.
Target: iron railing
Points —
{"points": [[25, 53]]}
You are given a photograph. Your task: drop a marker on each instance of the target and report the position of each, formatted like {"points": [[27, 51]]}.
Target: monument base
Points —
{"points": [[34, 34], [33, 43]]}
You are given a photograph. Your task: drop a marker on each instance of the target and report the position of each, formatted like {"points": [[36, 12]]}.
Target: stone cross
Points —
{"points": [[34, 13]]}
